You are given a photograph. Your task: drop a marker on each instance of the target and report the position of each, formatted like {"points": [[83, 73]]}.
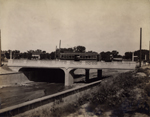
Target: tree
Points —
{"points": [[29, 55], [52, 55], [7, 55], [24, 55], [106, 56], [38, 51], [128, 55], [16, 54], [30, 51], [144, 53], [63, 50], [115, 53], [79, 49], [44, 52]]}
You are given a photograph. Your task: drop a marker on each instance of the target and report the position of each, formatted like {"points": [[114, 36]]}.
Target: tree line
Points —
{"points": [[32, 54], [106, 56], [144, 54]]}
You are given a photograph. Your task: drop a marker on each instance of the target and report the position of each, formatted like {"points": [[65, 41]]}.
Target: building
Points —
{"points": [[80, 56], [35, 55]]}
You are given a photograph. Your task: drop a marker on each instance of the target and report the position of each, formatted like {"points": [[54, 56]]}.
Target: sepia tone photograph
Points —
{"points": [[74, 58]]}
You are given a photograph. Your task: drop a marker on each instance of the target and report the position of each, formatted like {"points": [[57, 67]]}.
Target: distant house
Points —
{"points": [[36, 55], [117, 59], [136, 58]]}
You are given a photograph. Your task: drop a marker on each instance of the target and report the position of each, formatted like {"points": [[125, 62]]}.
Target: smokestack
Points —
{"points": [[0, 50], [140, 45]]}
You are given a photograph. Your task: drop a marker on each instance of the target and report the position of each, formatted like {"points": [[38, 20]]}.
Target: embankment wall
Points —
{"points": [[10, 79]]}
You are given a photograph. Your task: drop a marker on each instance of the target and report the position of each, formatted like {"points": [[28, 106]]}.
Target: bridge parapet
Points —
{"points": [[71, 64]]}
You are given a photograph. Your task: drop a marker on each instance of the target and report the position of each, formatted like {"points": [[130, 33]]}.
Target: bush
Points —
{"points": [[120, 94], [147, 89]]}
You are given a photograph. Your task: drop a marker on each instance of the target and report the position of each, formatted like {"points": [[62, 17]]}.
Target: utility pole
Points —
{"points": [[0, 50], [140, 45], [59, 48], [149, 51]]}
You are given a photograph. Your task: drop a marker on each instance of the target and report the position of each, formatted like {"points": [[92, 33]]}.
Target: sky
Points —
{"points": [[99, 25]]}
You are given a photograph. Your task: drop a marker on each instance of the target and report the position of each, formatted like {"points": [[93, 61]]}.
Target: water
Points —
{"points": [[18, 94]]}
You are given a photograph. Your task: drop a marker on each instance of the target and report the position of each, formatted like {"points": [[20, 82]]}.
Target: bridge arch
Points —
{"points": [[55, 75]]}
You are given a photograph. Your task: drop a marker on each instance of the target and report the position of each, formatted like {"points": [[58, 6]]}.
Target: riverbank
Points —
{"points": [[124, 94]]}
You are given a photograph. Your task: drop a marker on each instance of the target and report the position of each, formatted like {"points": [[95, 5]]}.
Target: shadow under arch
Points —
{"points": [[54, 75]]}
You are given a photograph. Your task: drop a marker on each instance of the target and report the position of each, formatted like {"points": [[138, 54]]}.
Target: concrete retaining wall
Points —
{"points": [[10, 79]]}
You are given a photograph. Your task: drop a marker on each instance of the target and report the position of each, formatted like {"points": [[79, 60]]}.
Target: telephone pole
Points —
{"points": [[140, 45], [0, 50], [149, 51]]}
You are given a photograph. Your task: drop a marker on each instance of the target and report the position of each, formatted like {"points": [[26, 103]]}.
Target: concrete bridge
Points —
{"points": [[69, 67]]}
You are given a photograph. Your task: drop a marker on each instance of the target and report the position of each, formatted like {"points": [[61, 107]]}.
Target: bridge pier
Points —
{"points": [[87, 75], [99, 73], [68, 77], [87, 71]]}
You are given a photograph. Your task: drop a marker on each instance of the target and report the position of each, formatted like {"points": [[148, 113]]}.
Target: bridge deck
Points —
{"points": [[71, 64]]}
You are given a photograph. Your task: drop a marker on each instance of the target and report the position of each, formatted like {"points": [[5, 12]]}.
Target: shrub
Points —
{"points": [[120, 94], [147, 89]]}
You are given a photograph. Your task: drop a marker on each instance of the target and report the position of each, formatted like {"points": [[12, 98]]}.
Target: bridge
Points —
{"points": [[68, 67]]}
